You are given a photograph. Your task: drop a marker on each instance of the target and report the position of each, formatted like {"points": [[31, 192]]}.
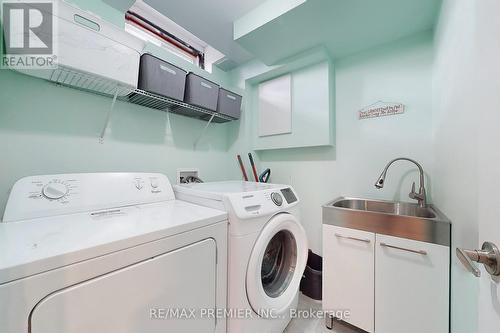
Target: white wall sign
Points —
{"points": [[381, 109]]}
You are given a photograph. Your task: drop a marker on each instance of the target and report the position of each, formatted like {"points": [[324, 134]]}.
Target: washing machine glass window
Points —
{"points": [[278, 263]]}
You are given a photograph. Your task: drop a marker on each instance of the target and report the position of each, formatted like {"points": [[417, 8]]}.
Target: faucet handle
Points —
{"points": [[413, 194]]}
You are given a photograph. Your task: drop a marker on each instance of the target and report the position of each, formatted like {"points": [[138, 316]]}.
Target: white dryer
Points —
{"points": [[111, 252], [267, 250]]}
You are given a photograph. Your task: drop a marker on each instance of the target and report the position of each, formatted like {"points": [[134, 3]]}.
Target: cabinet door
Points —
{"points": [[299, 106], [348, 274], [411, 286]]}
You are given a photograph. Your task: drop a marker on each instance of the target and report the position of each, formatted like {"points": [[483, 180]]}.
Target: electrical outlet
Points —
{"points": [[182, 174]]}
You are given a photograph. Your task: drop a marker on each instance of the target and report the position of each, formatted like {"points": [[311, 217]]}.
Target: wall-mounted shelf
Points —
{"points": [[87, 82], [153, 101], [102, 86], [93, 84], [144, 98]]}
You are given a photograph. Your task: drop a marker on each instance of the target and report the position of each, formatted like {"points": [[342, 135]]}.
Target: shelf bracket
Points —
{"points": [[108, 117], [203, 131]]}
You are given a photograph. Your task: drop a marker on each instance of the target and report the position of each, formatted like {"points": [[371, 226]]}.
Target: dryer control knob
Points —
{"points": [[54, 191], [277, 198]]}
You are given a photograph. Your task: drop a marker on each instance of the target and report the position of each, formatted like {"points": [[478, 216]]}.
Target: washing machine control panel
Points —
{"points": [[55, 190], [277, 198], [289, 195], [39, 191], [39, 196], [266, 202]]}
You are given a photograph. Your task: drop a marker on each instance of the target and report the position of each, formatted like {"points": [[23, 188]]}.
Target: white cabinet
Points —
{"points": [[389, 284], [411, 286], [348, 276], [295, 109]]}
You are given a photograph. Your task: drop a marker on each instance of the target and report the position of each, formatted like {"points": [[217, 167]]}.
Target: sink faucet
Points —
{"points": [[421, 196]]}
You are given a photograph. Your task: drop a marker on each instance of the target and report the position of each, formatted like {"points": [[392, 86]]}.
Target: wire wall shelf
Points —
{"points": [[87, 82], [153, 101], [102, 86]]}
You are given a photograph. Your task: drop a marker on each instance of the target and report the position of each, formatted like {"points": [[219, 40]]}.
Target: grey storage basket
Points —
{"points": [[229, 104], [161, 78], [201, 92]]}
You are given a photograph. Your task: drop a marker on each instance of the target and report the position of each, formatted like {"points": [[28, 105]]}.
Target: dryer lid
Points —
{"points": [[35, 246]]}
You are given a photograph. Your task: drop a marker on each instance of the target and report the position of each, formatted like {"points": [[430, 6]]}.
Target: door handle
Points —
{"points": [[465, 258], [364, 240], [489, 256]]}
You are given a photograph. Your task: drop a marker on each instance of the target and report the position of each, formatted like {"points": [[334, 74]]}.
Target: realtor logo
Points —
{"points": [[29, 31]]}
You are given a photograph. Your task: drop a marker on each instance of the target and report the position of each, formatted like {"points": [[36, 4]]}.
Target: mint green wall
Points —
{"points": [[46, 129], [455, 139], [398, 72], [467, 149]]}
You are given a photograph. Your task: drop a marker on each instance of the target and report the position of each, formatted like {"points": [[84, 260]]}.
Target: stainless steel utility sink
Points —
{"points": [[400, 219], [386, 207]]}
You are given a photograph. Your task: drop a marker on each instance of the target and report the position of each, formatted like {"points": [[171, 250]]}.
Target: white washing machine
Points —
{"points": [[267, 251], [112, 252]]}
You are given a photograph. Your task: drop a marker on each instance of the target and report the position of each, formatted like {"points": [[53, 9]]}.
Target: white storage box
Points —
{"points": [[92, 54]]}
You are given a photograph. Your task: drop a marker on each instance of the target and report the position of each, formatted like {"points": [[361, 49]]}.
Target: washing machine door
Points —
{"points": [[276, 265]]}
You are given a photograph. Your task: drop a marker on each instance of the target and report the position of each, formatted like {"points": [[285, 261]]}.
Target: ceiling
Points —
{"points": [[344, 27], [211, 21]]}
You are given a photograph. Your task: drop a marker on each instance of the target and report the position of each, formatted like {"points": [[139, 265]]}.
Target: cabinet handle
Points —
{"points": [[422, 252], [364, 240]]}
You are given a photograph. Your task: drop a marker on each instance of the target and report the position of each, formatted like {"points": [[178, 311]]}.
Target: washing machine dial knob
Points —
{"points": [[277, 198], [54, 191]]}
